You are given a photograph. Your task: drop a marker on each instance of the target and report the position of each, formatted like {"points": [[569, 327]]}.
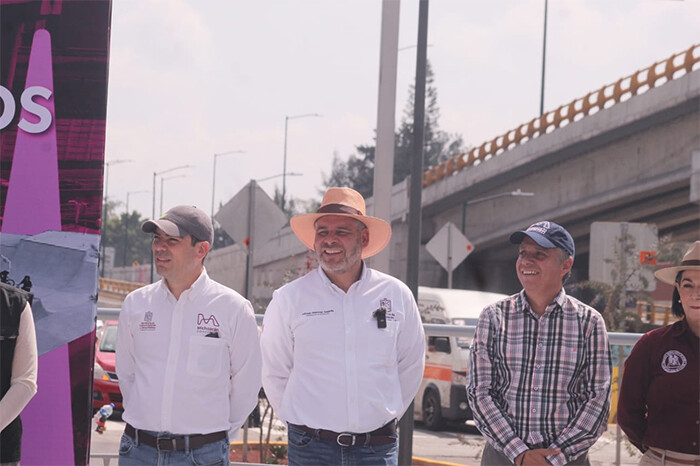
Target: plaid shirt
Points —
{"points": [[540, 382]]}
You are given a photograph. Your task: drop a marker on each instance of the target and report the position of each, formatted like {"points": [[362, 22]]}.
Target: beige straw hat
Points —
{"points": [[345, 202], [691, 261]]}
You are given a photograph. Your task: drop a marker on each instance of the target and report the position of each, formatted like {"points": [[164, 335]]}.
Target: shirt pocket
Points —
{"points": [[381, 344], [205, 356]]}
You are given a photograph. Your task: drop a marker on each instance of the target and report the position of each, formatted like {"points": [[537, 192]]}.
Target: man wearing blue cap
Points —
{"points": [[539, 368]]}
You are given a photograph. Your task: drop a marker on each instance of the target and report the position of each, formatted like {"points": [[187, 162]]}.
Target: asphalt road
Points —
{"points": [[458, 444]]}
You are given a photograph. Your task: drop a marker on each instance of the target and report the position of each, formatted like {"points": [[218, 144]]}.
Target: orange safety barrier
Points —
{"points": [[672, 68], [645, 309], [120, 287]]}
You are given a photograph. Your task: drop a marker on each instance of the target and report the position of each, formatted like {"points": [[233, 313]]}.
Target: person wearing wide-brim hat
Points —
{"points": [[343, 346], [659, 404], [343, 202]]}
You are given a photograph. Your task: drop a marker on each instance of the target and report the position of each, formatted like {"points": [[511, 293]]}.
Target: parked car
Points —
{"points": [[106, 385]]}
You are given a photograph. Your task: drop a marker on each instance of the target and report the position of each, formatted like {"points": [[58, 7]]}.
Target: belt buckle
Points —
{"points": [[352, 436], [172, 443]]}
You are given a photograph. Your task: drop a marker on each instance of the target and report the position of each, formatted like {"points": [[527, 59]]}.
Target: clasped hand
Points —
{"points": [[536, 457]]}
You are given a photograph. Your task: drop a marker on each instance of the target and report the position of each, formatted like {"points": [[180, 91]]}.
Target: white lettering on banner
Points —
{"points": [[27, 101], [8, 107]]}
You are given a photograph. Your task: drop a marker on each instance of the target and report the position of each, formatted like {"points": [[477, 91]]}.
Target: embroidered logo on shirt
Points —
{"points": [[673, 361], [210, 320], [317, 313], [147, 325], [206, 325], [385, 303]]}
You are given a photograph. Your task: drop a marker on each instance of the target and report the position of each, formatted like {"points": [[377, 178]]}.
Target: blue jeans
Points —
{"points": [[307, 450], [213, 454]]}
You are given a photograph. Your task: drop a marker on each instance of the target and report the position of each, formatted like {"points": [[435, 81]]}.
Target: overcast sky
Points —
{"points": [[191, 78]]}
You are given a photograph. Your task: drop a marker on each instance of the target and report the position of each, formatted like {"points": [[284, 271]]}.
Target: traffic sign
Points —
{"points": [[647, 257], [449, 247], [234, 216]]}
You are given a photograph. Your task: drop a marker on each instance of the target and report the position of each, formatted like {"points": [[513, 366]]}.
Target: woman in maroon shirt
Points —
{"points": [[659, 404]]}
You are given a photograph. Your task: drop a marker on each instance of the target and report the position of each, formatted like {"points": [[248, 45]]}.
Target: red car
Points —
{"points": [[106, 385]]}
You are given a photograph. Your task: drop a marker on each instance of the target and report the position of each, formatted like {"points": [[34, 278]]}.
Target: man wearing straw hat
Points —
{"points": [[343, 347]]}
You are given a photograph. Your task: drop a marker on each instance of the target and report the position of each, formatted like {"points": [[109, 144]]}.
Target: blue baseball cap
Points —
{"points": [[548, 235]]}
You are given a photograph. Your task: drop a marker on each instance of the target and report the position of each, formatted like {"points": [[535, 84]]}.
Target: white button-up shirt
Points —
{"points": [[191, 365], [327, 365]]}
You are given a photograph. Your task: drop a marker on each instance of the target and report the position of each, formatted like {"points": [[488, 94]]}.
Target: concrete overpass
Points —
{"points": [[634, 160], [627, 152]]}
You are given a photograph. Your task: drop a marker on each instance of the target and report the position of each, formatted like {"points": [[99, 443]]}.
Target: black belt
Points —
{"points": [[173, 443], [379, 436]]}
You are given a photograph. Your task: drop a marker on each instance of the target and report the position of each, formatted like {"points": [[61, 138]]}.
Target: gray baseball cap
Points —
{"points": [[181, 221]]}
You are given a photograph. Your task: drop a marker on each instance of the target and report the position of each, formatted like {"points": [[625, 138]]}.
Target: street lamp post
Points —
{"points": [[544, 53], [284, 163], [126, 221], [260, 180], [213, 178], [153, 210], [103, 224], [405, 449], [517, 192], [162, 182]]}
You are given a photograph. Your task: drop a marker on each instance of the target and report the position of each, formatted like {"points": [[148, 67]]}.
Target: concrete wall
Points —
{"points": [[225, 265]]}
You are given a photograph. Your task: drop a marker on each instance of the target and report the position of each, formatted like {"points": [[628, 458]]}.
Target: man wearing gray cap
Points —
{"points": [[188, 354], [538, 380]]}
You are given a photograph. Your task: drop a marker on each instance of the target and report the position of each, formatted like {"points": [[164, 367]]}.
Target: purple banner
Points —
{"points": [[53, 95]]}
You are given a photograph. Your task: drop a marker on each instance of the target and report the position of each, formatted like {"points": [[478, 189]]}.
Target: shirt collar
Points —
{"points": [[196, 287], [560, 299], [559, 302], [199, 284], [324, 278]]}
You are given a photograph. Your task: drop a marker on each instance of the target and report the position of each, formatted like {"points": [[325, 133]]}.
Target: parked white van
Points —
{"points": [[443, 394]]}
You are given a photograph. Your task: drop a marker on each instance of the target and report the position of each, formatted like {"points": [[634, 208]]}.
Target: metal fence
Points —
{"points": [[620, 344]]}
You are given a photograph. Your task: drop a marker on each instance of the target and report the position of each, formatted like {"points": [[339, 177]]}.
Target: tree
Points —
{"points": [[356, 172], [221, 238], [138, 244], [438, 146], [614, 300], [295, 205]]}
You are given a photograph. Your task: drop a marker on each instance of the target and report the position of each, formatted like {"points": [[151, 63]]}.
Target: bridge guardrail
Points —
{"points": [[637, 83], [118, 287], [649, 310]]}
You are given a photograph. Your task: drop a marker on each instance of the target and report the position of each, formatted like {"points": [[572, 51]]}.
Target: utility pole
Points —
{"points": [[415, 201]]}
